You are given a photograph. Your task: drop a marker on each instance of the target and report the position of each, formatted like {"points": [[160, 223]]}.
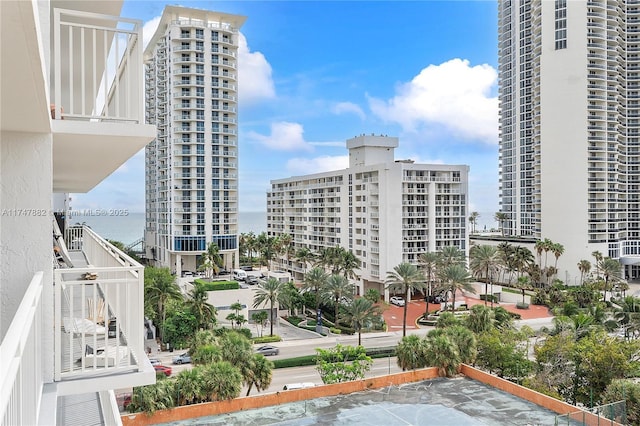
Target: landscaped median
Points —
{"points": [[259, 401]]}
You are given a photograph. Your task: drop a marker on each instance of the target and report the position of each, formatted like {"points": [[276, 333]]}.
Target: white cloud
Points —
{"points": [[149, 29], [285, 136], [325, 163], [453, 94], [349, 108], [254, 75]]}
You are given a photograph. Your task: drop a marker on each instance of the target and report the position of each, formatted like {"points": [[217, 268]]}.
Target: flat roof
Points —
{"points": [[442, 402]]}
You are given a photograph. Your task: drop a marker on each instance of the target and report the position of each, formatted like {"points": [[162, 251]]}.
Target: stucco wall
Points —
{"points": [[258, 401]]}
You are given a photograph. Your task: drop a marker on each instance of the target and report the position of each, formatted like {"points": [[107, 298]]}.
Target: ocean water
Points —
{"points": [[130, 228]]}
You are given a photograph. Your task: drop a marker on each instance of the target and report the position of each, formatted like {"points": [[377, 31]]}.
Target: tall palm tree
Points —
{"points": [[557, 249], [160, 287], [598, 257], [523, 259], [348, 263], [584, 266], [268, 247], [329, 258], [501, 218], [197, 302], [473, 219], [335, 289], [314, 281], [456, 277], [405, 278], [451, 255], [429, 262], [212, 259], [285, 246], [359, 313], [611, 270], [268, 291], [305, 256], [483, 262]]}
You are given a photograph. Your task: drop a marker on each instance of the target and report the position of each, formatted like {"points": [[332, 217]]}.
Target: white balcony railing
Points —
{"points": [[21, 378], [97, 71], [98, 310]]}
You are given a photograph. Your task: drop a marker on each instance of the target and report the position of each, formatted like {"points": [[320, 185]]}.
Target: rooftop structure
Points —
{"points": [[192, 165]]}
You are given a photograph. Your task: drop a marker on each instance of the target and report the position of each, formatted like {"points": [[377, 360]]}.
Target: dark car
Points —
{"points": [[268, 350], [247, 268], [251, 280]]}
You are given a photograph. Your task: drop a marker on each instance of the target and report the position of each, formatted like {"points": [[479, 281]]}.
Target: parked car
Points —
{"points": [[163, 369], [187, 274], [184, 358], [155, 361], [292, 386], [223, 272], [124, 400], [397, 300], [268, 350], [437, 298], [251, 280], [247, 268]]}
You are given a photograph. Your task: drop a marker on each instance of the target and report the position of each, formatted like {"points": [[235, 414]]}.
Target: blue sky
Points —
{"points": [[313, 74]]}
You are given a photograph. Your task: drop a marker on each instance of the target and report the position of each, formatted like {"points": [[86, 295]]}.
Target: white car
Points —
{"points": [[397, 300]]}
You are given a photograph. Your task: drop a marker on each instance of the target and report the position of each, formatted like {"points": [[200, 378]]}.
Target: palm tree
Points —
{"points": [[456, 278], [189, 387], [222, 381], [523, 283], [160, 287], [429, 262], [443, 353], [268, 291], [268, 247], [348, 263], [584, 266], [473, 219], [411, 353], [557, 249], [523, 259], [611, 271], [484, 261], [305, 256], [450, 255], [335, 289], [359, 313], [212, 259], [405, 278], [314, 281], [285, 247], [329, 258], [204, 312], [501, 217], [480, 319], [260, 373]]}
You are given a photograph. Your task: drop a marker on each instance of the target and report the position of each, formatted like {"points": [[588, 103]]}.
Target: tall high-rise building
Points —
{"points": [[192, 165], [570, 126], [384, 211]]}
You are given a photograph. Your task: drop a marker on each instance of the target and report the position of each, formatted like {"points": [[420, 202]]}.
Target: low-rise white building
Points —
{"points": [[385, 211]]}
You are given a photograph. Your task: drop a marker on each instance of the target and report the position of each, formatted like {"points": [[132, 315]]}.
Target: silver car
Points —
{"points": [[268, 350]]}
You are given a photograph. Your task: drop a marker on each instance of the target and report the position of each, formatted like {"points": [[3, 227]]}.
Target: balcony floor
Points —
{"points": [[80, 410]]}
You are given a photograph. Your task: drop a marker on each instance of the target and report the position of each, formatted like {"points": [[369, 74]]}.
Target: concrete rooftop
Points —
{"points": [[442, 402]]}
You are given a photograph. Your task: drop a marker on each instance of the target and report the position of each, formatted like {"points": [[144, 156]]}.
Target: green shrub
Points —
{"points": [[489, 297], [267, 339], [300, 361], [294, 320], [335, 330], [217, 285], [520, 305]]}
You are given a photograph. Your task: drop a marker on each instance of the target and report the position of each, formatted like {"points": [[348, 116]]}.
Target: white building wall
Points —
{"points": [[25, 237]]}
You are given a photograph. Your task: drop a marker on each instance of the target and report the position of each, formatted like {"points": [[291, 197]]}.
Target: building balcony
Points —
{"points": [[97, 97], [82, 312], [99, 317]]}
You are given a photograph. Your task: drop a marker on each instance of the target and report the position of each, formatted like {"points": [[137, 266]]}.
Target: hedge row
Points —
{"points": [[307, 360], [218, 285], [267, 339]]}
